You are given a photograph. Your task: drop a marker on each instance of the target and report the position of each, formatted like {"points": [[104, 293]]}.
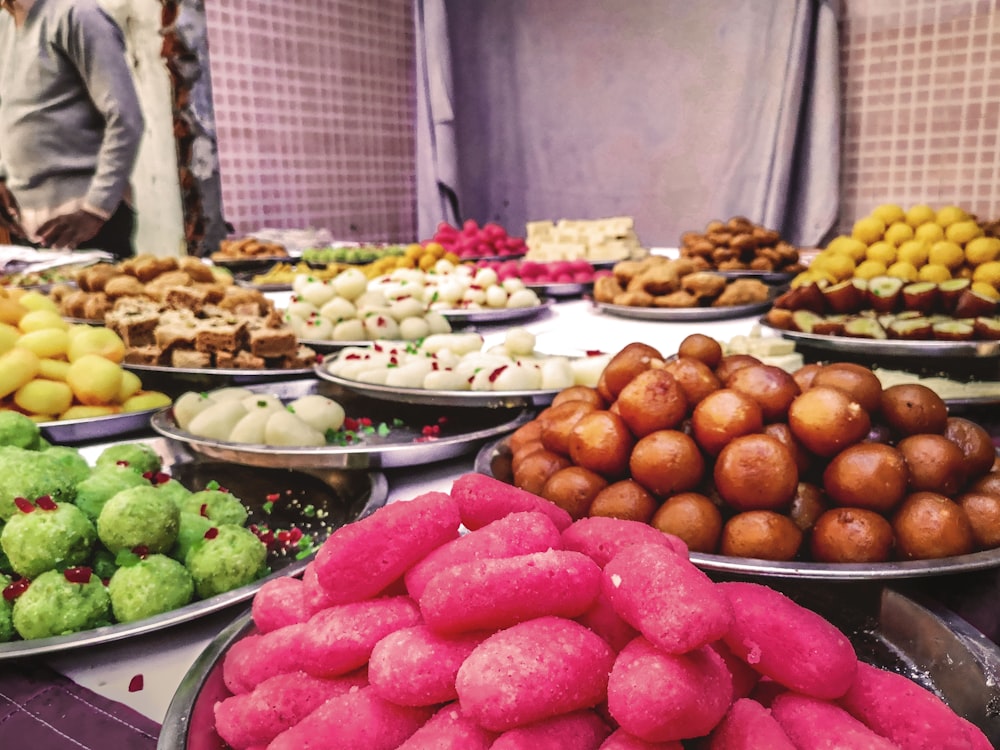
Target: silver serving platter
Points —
{"points": [[65, 431], [325, 346], [684, 314], [350, 496], [919, 639], [562, 289], [405, 445], [891, 347], [428, 397], [768, 277], [493, 459], [499, 315]]}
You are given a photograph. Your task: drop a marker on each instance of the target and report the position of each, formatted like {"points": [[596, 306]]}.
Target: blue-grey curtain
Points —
{"points": [[670, 111]]}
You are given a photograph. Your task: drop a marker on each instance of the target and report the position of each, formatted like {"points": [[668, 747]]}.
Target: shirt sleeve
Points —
{"points": [[96, 46]]}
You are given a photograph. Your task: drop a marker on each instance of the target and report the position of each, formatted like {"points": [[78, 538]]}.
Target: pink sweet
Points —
{"points": [[533, 671], [255, 657], [360, 559], [450, 729], [492, 594], [515, 534], [811, 722], [580, 730], [339, 639], [660, 697], [482, 499], [603, 620], [745, 677], [277, 703], [313, 594], [355, 720], [787, 642], [906, 713], [622, 740], [602, 537], [666, 598], [748, 726], [279, 602], [417, 667]]}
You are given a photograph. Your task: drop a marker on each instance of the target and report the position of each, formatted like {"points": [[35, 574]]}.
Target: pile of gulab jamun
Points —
{"points": [[741, 458]]}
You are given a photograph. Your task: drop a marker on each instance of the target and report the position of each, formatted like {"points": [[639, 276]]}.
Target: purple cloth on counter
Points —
{"points": [[43, 710]]}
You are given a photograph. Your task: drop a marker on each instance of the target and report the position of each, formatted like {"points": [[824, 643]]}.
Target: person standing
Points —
{"points": [[70, 126]]}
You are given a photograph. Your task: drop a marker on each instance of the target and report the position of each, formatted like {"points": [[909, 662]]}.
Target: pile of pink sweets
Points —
{"points": [[532, 632]]}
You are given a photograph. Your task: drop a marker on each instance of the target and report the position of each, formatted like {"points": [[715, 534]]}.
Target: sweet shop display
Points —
{"points": [[482, 491]]}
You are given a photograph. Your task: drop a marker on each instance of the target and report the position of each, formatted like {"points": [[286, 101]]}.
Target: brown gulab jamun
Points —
{"points": [[693, 517], [761, 534], [867, 475], [701, 347], [723, 415], [911, 408], [851, 535], [601, 441], [625, 499], [858, 381], [770, 386], [573, 489], [666, 462], [826, 420], [755, 472], [652, 400], [929, 526]]}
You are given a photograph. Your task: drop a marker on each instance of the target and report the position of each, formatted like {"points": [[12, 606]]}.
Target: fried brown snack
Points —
{"points": [[742, 292], [634, 299], [606, 288], [703, 284], [680, 298]]}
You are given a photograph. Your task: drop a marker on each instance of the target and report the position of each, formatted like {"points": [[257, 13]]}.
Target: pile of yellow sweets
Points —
{"points": [[54, 370], [415, 255], [917, 244]]}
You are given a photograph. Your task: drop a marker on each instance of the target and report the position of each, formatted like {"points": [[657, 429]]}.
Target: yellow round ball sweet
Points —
{"points": [[982, 250], [889, 213], [35, 300], [963, 231], [919, 214], [96, 340], [46, 343], [902, 270], [913, 252], [868, 230], [869, 269], [898, 233], [988, 273], [839, 265], [948, 215], [35, 320], [987, 290], [933, 272], [44, 397], [95, 380], [929, 232], [946, 253], [9, 336], [851, 246], [883, 251]]}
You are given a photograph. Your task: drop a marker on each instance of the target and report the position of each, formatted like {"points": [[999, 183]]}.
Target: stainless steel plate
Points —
{"points": [[683, 314], [337, 497], [95, 428], [921, 640], [325, 346], [500, 315], [768, 277], [891, 347], [562, 289], [459, 431], [488, 399], [493, 459]]}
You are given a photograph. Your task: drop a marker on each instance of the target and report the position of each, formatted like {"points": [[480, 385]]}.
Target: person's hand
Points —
{"points": [[9, 214], [66, 232]]}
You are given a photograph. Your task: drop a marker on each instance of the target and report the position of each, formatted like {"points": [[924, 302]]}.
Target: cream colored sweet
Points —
{"points": [[459, 361], [239, 415]]}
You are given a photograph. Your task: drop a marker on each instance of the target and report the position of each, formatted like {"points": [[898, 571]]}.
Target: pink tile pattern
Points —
{"points": [[315, 109], [921, 84]]}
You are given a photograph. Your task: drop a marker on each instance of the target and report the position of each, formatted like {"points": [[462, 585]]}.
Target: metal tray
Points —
{"points": [[500, 315], [562, 289], [919, 639], [768, 277], [427, 397], [493, 459], [66, 431], [461, 431], [338, 498], [684, 314], [891, 347]]}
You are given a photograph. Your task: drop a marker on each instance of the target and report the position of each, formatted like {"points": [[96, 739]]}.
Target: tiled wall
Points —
{"points": [[314, 106], [315, 110], [921, 83]]}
